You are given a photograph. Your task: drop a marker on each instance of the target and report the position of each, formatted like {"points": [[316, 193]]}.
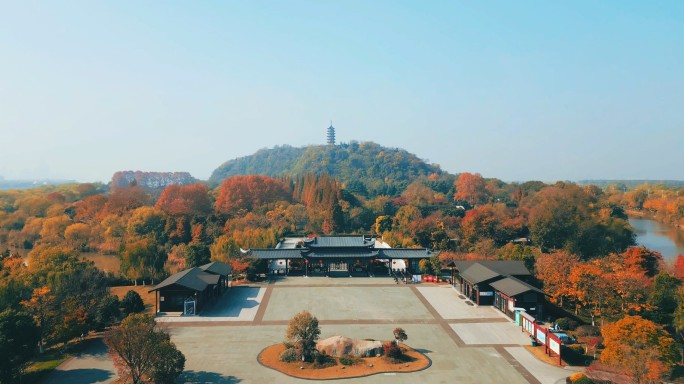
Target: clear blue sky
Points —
{"points": [[514, 90]]}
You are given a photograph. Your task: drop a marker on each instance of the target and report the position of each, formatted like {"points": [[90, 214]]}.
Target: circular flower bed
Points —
{"points": [[411, 361]]}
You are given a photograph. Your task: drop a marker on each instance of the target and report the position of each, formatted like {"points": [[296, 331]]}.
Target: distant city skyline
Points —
{"points": [[515, 91]]}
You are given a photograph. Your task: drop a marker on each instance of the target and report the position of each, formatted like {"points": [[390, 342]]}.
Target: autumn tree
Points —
{"points": [[126, 199], [77, 235], [18, 339], [554, 270], [303, 332], [679, 267], [74, 321], [41, 307], [643, 260], [471, 188], [188, 200], [641, 348], [245, 193], [142, 258], [140, 351]]}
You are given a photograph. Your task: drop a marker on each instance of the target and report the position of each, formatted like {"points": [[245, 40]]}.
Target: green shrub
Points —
{"points": [[348, 360], [290, 355], [132, 303], [323, 360], [566, 323], [583, 380]]}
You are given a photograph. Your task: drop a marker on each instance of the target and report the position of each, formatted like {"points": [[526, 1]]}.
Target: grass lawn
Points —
{"points": [[43, 364], [148, 298]]}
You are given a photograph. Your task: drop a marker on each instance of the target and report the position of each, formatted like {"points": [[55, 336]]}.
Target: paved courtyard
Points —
{"points": [[466, 344]]}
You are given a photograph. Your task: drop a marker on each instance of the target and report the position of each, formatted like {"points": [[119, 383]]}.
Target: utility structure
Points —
{"points": [[331, 134]]}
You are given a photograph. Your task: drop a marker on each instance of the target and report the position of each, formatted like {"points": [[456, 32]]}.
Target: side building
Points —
{"points": [[505, 284], [191, 290]]}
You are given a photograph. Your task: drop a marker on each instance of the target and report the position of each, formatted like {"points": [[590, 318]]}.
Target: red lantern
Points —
{"points": [[306, 261], [357, 260]]}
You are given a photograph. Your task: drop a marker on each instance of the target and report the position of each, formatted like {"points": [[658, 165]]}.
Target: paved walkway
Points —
{"points": [[91, 365], [466, 344]]}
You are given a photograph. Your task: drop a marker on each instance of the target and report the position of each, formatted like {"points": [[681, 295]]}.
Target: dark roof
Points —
{"points": [[510, 286], [193, 278], [405, 253], [279, 253], [478, 273], [340, 242], [502, 267], [340, 253], [217, 268], [323, 253], [209, 278]]}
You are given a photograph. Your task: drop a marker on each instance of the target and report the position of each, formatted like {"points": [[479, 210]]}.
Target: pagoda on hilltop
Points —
{"points": [[331, 134]]}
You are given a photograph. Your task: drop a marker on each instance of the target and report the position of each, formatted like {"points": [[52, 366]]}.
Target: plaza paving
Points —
{"points": [[466, 344]]}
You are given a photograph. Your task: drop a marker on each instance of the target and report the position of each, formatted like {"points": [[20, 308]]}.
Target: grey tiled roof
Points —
{"points": [[217, 267], [502, 267], [281, 253], [510, 286], [478, 273], [193, 278], [405, 253], [339, 242]]}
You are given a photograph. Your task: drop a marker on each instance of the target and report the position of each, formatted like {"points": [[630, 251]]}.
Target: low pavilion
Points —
{"points": [[190, 290], [340, 256]]}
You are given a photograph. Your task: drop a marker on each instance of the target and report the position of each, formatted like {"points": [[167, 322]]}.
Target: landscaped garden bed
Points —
{"points": [[411, 361]]}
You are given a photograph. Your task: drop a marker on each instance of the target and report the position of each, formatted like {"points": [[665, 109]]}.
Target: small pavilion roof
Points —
{"points": [[194, 279], [405, 253], [218, 268], [510, 286], [478, 273], [502, 267]]}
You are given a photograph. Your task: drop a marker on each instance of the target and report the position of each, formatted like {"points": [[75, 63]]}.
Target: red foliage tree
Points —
{"points": [[126, 199], [250, 192], [190, 199], [679, 267]]}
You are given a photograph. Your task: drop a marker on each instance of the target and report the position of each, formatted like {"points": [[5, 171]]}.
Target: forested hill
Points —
{"points": [[366, 168]]}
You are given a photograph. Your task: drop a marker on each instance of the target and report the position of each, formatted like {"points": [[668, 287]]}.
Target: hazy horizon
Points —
{"points": [[515, 91]]}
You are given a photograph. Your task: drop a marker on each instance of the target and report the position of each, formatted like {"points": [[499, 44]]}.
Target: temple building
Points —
{"points": [[340, 256]]}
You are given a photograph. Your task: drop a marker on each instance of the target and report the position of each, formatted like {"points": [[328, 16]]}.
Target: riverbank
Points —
{"points": [[648, 215]]}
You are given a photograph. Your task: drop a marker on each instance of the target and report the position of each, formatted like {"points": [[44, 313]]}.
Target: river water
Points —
{"points": [[666, 239]]}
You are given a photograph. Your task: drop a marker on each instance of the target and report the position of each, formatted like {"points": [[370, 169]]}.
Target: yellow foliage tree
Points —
{"points": [[639, 347]]}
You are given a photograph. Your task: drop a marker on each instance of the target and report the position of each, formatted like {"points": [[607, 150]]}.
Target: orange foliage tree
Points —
{"points": [[471, 188], [245, 193], [553, 270], [41, 307], [639, 347], [190, 199]]}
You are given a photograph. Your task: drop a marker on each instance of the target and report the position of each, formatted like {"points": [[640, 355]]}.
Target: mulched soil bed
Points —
{"points": [[415, 361]]}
